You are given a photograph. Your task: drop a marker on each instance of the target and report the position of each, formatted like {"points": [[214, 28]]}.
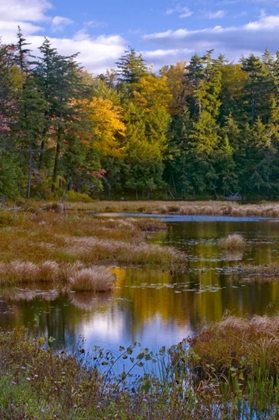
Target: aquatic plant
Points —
{"points": [[233, 341], [96, 279], [263, 272], [234, 242], [39, 381]]}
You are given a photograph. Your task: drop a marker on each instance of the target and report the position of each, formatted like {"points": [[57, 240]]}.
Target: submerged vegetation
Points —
{"points": [[262, 273]]}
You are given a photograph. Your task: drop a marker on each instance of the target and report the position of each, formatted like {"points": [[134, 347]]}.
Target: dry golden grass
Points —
{"points": [[238, 343], [211, 207], [92, 279], [221, 208], [52, 247], [87, 249], [75, 276]]}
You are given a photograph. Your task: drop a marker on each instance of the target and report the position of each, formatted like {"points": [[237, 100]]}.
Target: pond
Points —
{"points": [[157, 307]]}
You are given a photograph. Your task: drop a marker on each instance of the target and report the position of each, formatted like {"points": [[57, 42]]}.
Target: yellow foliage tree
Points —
{"points": [[175, 81], [108, 128], [151, 92]]}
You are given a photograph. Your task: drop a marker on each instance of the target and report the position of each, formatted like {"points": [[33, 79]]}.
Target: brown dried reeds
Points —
{"points": [[247, 344], [184, 208], [234, 242], [77, 276], [113, 251], [96, 279]]}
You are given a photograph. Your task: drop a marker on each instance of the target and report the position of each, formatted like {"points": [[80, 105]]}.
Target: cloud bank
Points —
{"points": [[100, 48]]}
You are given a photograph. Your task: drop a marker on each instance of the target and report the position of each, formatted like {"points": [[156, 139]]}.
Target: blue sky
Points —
{"points": [[164, 31]]}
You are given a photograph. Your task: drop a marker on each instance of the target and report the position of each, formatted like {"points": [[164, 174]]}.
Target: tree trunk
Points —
{"points": [[56, 160]]}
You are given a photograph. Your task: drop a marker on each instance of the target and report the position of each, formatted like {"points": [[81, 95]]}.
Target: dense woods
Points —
{"points": [[203, 128]]}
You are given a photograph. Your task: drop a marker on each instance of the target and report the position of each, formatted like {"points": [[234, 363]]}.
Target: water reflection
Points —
{"points": [[156, 307]]}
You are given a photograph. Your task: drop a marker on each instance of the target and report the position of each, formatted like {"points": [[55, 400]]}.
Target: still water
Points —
{"points": [[156, 307]]}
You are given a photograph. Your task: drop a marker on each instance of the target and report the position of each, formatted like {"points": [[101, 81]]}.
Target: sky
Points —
{"points": [[163, 31]]}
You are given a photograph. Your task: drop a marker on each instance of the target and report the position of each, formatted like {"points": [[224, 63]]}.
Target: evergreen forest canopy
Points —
{"points": [[208, 127]]}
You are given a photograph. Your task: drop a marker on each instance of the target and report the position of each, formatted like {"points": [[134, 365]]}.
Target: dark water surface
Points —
{"points": [[156, 307]]}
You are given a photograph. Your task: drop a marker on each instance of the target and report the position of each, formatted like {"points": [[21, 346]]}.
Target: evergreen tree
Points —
{"points": [[60, 81]]}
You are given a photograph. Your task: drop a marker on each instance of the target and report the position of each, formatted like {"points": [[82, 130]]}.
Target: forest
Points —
{"points": [[206, 128]]}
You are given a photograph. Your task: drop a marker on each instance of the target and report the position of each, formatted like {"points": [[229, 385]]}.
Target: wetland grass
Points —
{"points": [[236, 362], [245, 344], [211, 208], [76, 276], [94, 279], [51, 247], [229, 371], [233, 243]]}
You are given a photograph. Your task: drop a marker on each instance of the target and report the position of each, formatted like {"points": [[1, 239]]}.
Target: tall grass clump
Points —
{"points": [[96, 279], [240, 359], [76, 276], [234, 242]]}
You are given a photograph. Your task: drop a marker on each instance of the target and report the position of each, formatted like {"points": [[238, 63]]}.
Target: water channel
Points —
{"points": [[159, 307]]}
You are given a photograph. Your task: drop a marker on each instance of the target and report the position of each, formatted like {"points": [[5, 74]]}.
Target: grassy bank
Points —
{"points": [[229, 371], [75, 250], [217, 208]]}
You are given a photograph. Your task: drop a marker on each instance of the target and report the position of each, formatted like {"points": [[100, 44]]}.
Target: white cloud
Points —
{"points": [[24, 13], [94, 24], [97, 54], [232, 41], [265, 23], [59, 22], [182, 11], [215, 15], [24, 10], [160, 57]]}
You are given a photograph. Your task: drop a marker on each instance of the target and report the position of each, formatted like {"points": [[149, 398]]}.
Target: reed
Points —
{"points": [[88, 249], [210, 207], [238, 343], [40, 382], [48, 245], [234, 242], [92, 279], [76, 276]]}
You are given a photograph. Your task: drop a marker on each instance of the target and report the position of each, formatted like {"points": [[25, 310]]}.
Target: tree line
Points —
{"points": [[203, 128]]}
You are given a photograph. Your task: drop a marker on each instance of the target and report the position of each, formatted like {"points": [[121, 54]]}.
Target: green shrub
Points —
{"points": [[74, 197], [6, 218]]}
